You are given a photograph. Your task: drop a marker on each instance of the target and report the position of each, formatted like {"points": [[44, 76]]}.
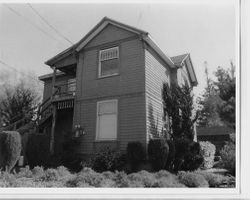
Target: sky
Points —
{"points": [[205, 29]]}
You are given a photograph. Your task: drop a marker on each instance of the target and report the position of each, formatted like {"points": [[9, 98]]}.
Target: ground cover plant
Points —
{"points": [[62, 177]]}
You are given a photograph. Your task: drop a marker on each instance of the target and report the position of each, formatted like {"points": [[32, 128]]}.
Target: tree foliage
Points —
{"points": [[218, 99], [17, 102], [225, 85], [179, 108]]}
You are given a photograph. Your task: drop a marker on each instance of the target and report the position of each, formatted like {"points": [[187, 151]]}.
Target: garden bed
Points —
{"points": [[61, 177]]}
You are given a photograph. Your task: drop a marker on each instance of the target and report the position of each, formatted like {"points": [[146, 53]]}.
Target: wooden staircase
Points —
{"points": [[44, 111]]}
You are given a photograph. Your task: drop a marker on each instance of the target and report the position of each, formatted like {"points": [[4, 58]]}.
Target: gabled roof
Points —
{"points": [[97, 29], [178, 60]]}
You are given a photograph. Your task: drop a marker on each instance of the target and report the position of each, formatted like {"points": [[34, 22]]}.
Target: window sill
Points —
{"points": [[100, 141], [102, 77]]}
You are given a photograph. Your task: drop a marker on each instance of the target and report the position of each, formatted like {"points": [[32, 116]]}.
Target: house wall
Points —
{"points": [[156, 73], [128, 87]]}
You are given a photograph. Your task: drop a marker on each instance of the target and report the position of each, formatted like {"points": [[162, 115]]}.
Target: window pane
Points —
{"points": [[107, 107], [107, 126], [109, 67]]}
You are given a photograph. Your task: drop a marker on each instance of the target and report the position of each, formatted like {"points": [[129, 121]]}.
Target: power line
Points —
{"points": [[13, 68], [52, 27], [30, 22]]}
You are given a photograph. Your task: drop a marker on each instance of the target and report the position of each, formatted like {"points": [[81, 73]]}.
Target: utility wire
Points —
{"points": [[52, 27], [30, 22], [13, 68]]}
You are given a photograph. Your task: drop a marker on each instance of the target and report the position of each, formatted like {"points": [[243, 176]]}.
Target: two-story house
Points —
{"points": [[108, 88]]}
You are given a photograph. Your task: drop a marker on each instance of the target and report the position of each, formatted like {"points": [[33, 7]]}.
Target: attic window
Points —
{"points": [[108, 62]]}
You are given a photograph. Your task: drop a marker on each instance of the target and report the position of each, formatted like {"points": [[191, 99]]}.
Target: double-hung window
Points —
{"points": [[106, 127], [108, 62]]}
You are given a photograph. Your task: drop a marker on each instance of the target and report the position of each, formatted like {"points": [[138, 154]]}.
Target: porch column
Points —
{"points": [[54, 113]]}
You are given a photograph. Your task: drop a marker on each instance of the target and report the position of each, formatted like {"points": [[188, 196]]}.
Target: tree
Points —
{"points": [[225, 86], [179, 108], [209, 102], [18, 102]]}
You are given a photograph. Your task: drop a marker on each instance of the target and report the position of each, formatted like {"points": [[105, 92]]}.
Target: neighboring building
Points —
{"points": [[217, 135], [108, 87]]}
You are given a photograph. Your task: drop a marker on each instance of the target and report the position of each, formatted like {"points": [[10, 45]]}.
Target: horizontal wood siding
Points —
{"points": [[128, 87], [109, 34], [131, 73], [156, 74], [131, 122]]}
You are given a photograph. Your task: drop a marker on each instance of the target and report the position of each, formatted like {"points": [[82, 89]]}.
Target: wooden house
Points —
{"points": [[107, 88]]}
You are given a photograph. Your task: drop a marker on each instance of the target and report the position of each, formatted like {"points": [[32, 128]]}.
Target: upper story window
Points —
{"points": [[108, 62]]}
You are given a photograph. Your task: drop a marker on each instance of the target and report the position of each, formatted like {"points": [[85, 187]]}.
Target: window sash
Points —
{"points": [[112, 55], [106, 130]]}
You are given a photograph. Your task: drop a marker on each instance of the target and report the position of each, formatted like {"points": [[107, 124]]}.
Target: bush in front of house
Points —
{"points": [[37, 150], [158, 150], [10, 149], [227, 154], [107, 159], [171, 156], [136, 154], [207, 152], [192, 179], [187, 156], [214, 180]]}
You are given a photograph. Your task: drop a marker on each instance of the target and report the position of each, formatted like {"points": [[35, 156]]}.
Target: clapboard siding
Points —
{"points": [[131, 72], [156, 73], [109, 34], [128, 88], [131, 121]]}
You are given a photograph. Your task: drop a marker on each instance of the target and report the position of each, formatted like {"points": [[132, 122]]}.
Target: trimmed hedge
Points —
{"points": [[135, 154], [37, 150], [10, 149], [207, 152], [158, 150], [107, 159]]}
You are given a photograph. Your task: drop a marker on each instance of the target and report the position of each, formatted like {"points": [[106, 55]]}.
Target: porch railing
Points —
{"points": [[65, 89]]}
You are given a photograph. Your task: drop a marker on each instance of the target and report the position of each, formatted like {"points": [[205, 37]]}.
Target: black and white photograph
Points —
{"points": [[102, 96]]}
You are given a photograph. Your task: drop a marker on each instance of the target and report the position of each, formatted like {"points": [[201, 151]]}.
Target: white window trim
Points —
{"points": [[99, 62], [97, 119]]}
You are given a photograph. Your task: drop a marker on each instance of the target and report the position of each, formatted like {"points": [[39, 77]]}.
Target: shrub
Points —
{"points": [[38, 173], [214, 180], [86, 178], [187, 155], [10, 149], [37, 150], [51, 175], [227, 154], [171, 155], [121, 179], [166, 179], [141, 179], [24, 172], [207, 152], [135, 154], [158, 153], [192, 161], [192, 179], [107, 160]]}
